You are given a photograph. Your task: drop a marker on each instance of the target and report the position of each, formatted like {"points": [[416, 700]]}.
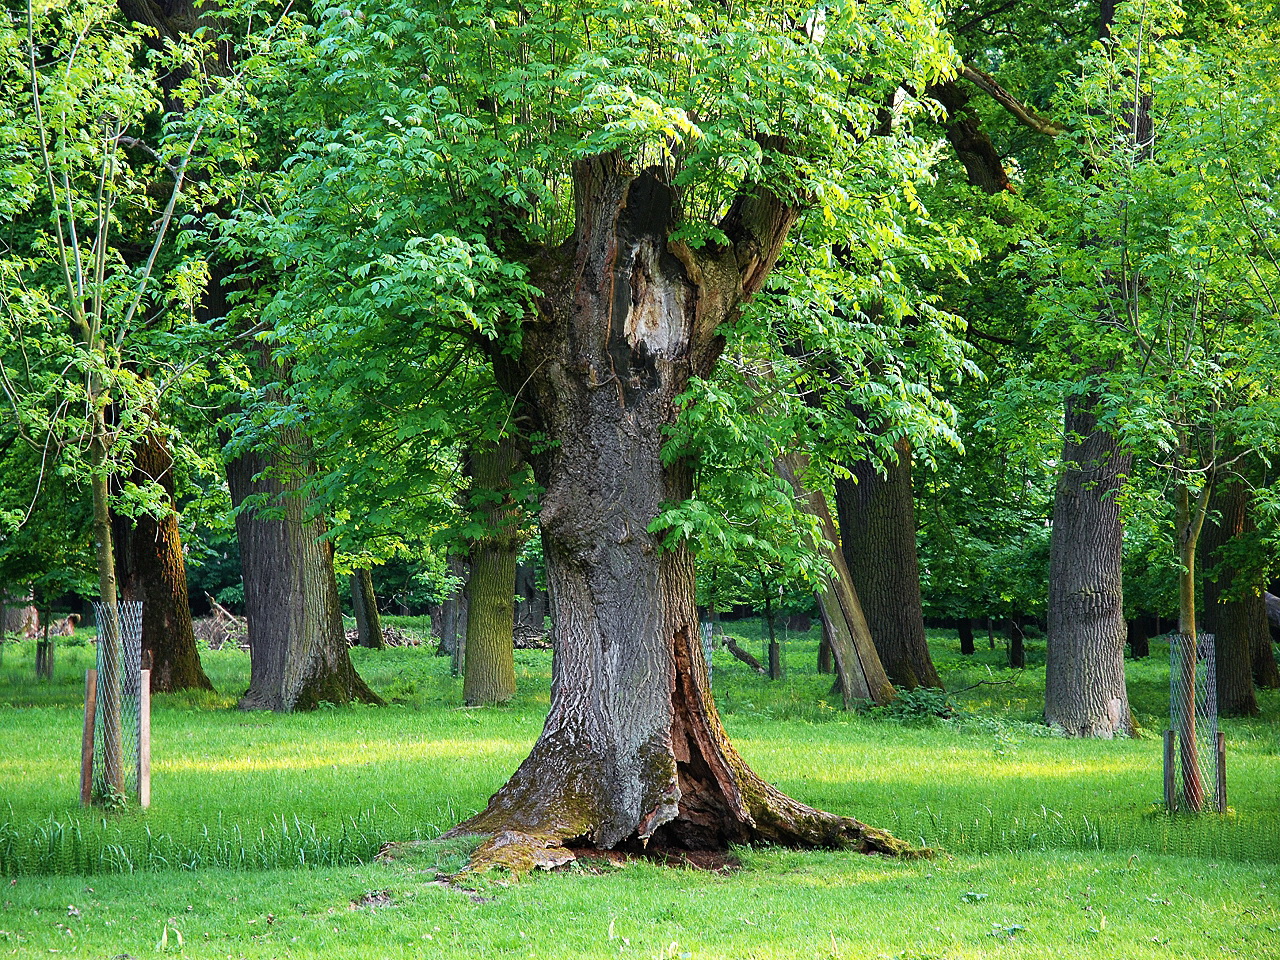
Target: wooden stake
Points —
{"points": [[144, 740], [86, 744], [1222, 772], [1170, 790]]}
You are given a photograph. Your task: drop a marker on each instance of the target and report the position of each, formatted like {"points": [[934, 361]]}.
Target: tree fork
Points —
{"points": [[633, 751]]}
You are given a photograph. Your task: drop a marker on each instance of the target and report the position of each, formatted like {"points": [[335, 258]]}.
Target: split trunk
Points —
{"points": [[633, 750]]}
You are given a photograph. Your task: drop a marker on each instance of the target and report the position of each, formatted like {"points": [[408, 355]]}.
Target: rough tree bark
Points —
{"points": [[364, 602], [1234, 611], [489, 674], [877, 517], [150, 567], [1085, 692], [633, 750], [297, 645]]}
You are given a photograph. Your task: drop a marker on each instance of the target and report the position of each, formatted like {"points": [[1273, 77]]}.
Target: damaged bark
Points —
{"points": [[633, 751]]}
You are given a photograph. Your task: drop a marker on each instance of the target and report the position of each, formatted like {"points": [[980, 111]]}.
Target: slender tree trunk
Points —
{"points": [[878, 539], [365, 604], [1017, 645], [633, 750], [110, 653], [296, 640], [151, 568], [1085, 693], [454, 617], [489, 675], [824, 651], [1188, 522], [775, 650], [531, 610], [1234, 611]]}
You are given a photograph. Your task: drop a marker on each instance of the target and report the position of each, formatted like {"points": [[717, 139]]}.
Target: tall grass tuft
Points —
{"points": [[66, 848]]}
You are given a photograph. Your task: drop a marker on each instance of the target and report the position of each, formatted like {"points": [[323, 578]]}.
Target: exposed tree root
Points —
{"points": [[695, 793]]}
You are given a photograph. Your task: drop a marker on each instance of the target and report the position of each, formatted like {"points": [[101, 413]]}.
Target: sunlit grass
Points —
{"points": [[991, 782], [1050, 847]]}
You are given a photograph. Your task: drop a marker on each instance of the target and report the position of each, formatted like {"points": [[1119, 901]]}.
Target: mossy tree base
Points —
{"points": [[701, 795]]}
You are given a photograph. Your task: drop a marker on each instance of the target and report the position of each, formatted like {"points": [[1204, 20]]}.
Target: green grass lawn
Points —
{"points": [[260, 838]]}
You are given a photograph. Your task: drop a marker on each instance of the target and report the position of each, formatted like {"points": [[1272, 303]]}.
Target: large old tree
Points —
{"points": [[591, 194]]}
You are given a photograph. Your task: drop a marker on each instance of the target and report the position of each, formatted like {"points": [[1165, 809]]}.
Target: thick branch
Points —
{"points": [[1024, 114]]}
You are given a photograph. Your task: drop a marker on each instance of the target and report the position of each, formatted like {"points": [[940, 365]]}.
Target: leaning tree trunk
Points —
{"points": [[364, 602], [633, 750], [1085, 693], [859, 673], [151, 568], [877, 518], [297, 645], [1234, 611], [489, 675]]}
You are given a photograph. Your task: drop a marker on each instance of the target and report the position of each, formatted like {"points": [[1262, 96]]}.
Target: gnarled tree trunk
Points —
{"points": [[877, 516], [296, 640], [633, 750], [1085, 692], [150, 567]]}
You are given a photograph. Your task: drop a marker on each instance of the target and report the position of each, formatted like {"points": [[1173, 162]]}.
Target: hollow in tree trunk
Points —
{"points": [[633, 750], [489, 674], [877, 519], [364, 602], [297, 645], [1234, 611], [1085, 692], [151, 568]]}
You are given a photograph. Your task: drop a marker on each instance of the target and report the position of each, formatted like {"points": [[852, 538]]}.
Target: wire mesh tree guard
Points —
{"points": [[115, 762], [1195, 777]]}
